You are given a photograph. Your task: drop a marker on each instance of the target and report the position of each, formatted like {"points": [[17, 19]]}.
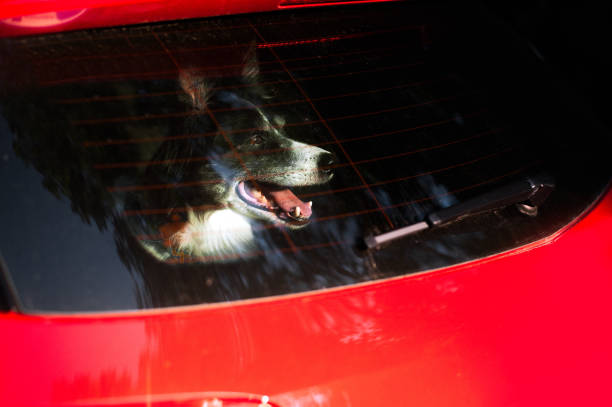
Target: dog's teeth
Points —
{"points": [[296, 211], [309, 203], [256, 193]]}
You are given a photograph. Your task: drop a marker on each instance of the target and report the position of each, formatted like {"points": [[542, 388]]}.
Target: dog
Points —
{"points": [[242, 177]]}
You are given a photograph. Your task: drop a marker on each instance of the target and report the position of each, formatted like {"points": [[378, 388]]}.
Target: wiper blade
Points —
{"points": [[528, 193]]}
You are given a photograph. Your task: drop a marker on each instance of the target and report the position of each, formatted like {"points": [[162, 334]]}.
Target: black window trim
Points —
{"points": [[9, 299]]}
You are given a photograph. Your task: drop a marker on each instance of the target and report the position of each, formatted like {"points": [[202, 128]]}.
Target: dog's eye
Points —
{"points": [[256, 139]]}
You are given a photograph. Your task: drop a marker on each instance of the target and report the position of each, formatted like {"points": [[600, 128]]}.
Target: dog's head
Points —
{"points": [[248, 150], [262, 167]]}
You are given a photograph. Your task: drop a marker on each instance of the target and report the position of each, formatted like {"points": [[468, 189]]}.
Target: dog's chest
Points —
{"points": [[217, 233]]}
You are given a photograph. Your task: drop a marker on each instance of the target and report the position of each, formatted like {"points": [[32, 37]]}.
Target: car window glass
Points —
{"points": [[222, 159]]}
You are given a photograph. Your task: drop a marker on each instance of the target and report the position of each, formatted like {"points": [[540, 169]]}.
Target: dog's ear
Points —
{"points": [[196, 87], [251, 73], [250, 67]]}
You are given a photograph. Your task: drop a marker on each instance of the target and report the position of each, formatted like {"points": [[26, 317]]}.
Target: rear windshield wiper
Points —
{"points": [[527, 194]]}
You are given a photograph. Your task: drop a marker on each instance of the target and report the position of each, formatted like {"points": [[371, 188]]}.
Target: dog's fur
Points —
{"points": [[212, 220]]}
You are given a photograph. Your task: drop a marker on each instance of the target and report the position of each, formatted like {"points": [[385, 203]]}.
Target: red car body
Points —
{"points": [[526, 327]]}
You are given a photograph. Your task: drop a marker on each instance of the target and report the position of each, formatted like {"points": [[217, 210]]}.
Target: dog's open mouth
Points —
{"points": [[276, 199]]}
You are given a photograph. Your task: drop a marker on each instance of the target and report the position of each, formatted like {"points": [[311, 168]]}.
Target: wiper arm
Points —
{"points": [[528, 194]]}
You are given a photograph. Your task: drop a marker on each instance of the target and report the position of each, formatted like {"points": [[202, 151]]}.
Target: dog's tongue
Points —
{"points": [[287, 201]]}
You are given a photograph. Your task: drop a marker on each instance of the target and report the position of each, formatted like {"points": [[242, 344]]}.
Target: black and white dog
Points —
{"points": [[237, 173]]}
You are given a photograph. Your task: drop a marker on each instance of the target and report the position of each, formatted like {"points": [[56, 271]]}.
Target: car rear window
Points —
{"points": [[241, 157]]}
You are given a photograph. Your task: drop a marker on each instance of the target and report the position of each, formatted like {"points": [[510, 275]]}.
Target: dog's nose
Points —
{"points": [[326, 160]]}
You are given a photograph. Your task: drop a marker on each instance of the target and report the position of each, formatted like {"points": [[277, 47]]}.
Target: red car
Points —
{"points": [[275, 204]]}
